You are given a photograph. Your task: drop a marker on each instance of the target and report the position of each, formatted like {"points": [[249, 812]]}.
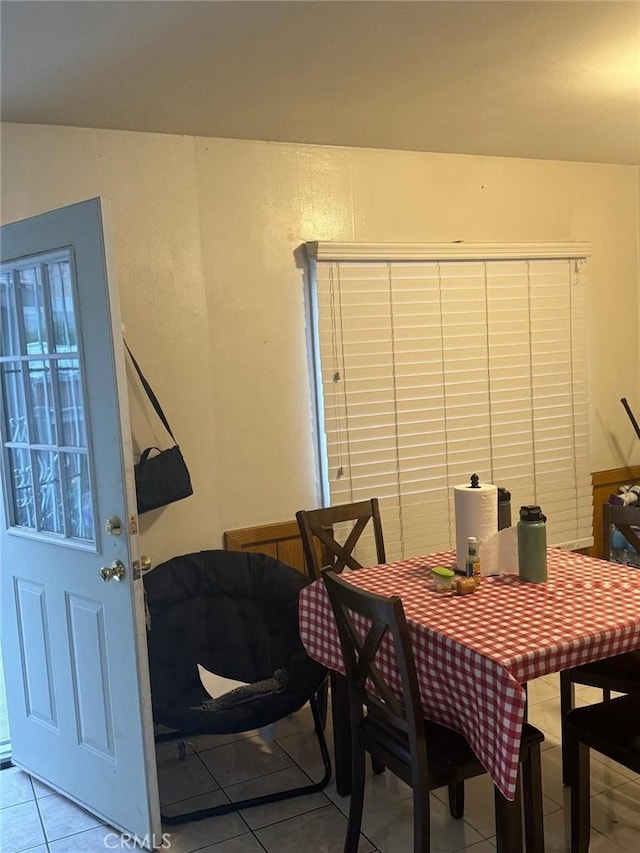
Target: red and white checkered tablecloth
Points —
{"points": [[474, 653]]}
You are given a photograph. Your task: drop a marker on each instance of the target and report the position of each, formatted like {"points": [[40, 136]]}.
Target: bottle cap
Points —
{"points": [[531, 512], [472, 540], [441, 572], [504, 495]]}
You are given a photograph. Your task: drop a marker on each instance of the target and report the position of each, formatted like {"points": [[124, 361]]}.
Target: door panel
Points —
{"points": [[74, 646]]}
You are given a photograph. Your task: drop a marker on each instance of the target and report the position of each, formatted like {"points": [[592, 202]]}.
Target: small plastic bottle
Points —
{"points": [[532, 544], [472, 564]]}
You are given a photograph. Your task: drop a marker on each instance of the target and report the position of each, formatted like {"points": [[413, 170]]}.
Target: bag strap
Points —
{"points": [[154, 400]]}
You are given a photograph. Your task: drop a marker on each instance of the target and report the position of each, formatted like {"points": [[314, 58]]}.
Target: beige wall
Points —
{"points": [[207, 236]]}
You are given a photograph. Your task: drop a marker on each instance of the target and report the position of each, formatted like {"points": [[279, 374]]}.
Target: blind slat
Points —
{"points": [[447, 368]]}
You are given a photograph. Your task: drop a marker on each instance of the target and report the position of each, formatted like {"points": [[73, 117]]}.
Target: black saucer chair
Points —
{"points": [[236, 614]]}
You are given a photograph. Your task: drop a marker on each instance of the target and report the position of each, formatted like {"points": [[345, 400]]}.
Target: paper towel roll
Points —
{"points": [[476, 515]]}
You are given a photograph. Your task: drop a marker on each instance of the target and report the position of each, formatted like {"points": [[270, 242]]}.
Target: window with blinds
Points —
{"points": [[434, 364]]}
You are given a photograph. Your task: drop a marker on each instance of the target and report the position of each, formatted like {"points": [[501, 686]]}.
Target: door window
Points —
{"points": [[46, 457]]}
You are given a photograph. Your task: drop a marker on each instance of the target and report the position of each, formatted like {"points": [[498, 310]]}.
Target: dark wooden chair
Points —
{"points": [[318, 525], [325, 547], [392, 728], [612, 728], [622, 672]]}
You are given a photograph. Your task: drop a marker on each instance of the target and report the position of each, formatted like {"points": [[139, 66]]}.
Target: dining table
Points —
{"points": [[475, 653]]}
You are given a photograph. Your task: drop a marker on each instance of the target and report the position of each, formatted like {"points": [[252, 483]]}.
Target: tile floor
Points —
{"points": [[34, 818]]}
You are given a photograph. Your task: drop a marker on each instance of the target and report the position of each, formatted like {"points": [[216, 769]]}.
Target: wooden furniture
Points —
{"points": [[475, 653], [280, 540], [329, 536], [391, 727], [604, 484], [620, 673], [318, 528], [611, 728]]}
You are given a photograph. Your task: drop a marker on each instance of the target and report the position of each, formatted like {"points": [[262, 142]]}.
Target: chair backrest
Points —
{"points": [[365, 622], [625, 519], [319, 524]]}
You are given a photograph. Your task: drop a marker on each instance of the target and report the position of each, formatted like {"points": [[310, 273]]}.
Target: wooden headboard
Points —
{"points": [[280, 540]]}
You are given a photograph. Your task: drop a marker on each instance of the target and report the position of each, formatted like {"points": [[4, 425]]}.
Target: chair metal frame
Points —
{"points": [[263, 799]]}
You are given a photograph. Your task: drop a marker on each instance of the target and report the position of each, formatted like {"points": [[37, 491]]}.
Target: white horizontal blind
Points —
{"points": [[434, 370]]}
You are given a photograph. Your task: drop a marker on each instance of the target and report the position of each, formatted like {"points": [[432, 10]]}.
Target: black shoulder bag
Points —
{"points": [[164, 477]]}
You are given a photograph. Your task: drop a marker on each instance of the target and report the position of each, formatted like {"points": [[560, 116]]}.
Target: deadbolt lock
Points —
{"points": [[114, 572], [113, 526]]}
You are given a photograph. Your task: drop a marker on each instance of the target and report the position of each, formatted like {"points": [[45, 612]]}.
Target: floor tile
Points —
{"points": [[15, 787], [616, 814], [203, 742], [61, 817], [242, 760], [282, 780], [40, 789], [540, 690], [20, 827], [391, 828], [381, 789], [180, 780], [603, 777], [187, 837], [99, 839], [319, 831], [304, 749], [479, 804], [556, 836], [241, 844]]}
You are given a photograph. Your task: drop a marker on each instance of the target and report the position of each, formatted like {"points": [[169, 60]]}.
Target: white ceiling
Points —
{"points": [[554, 80]]}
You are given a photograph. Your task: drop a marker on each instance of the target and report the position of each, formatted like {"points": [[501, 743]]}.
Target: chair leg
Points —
{"points": [[580, 796], [508, 822], [421, 820], [357, 799], [567, 702], [323, 702], [341, 733], [532, 795], [377, 766], [456, 800]]}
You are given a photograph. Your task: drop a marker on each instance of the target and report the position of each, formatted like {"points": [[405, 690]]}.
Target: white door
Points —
{"points": [[73, 634]]}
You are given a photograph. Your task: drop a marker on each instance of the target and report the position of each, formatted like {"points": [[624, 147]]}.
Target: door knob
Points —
{"points": [[145, 562], [116, 571]]}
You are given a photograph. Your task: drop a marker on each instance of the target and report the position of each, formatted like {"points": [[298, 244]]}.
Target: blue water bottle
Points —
{"points": [[532, 544]]}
